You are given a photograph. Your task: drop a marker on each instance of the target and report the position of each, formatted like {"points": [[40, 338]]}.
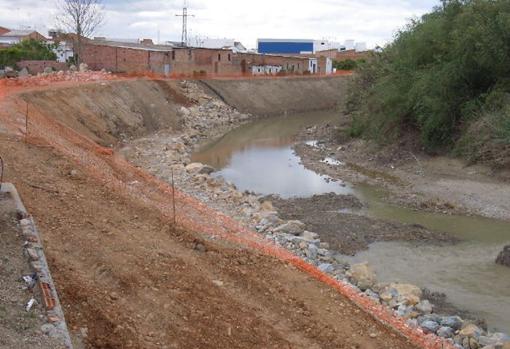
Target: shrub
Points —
{"points": [[348, 64], [437, 75], [26, 50]]}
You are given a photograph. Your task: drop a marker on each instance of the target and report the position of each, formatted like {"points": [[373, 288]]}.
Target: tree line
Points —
{"points": [[446, 76]]}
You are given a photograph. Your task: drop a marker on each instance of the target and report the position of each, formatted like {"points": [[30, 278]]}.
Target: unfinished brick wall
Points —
{"points": [[350, 54], [185, 61], [100, 57], [211, 61]]}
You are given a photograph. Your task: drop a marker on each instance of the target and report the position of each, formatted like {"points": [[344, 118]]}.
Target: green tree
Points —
{"points": [[26, 50], [437, 75]]}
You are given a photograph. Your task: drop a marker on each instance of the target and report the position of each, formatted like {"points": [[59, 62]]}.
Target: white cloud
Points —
{"points": [[373, 21]]}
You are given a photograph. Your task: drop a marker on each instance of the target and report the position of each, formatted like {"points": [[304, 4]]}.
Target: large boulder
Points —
{"points": [[10, 72], [23, 73], [504, 257], [362, 275], [84, 67], [470, 330], [291, 227], [407, 293], [199, 168]]}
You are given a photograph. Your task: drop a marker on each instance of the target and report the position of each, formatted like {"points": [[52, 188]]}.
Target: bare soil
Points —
{"points": [[336, 218], [18, 328], [127, 280]]}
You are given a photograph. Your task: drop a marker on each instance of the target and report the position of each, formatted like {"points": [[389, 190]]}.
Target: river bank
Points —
{"points": [[412, 179], [169, 153]]}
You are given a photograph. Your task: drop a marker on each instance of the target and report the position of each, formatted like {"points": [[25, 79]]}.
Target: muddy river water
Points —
{"points": [[258, 157]]}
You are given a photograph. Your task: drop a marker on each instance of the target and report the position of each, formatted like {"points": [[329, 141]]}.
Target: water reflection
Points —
{"points": [[258, 157], [276, 171]]}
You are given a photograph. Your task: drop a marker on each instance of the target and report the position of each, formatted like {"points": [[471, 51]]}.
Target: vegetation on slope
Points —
{"points": [[446, 76], [26, 50]]}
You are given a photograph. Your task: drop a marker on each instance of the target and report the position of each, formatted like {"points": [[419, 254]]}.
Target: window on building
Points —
{"points": [[298, 66], [229, 58], [190, 54], [219, 57], [173, 55]]}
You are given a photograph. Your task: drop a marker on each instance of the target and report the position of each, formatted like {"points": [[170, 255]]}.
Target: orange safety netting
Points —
{"points": [[117, 174]]}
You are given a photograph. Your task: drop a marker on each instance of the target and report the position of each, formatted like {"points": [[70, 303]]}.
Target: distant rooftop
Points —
{"points": [[139, 46], [19, 32]]}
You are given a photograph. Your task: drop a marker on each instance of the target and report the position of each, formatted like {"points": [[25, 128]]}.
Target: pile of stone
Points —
{"points": [[166, 153], [8, 72], [405, 300]]}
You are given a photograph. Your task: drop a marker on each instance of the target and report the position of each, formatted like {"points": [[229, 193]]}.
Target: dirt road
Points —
{"points": [[127, 280]]}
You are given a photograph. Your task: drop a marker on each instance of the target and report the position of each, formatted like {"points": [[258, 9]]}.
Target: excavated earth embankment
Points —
{"points": [[126, 277]]}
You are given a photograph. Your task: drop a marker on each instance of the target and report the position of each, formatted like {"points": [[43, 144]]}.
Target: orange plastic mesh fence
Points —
{"points": [[117, 174]]}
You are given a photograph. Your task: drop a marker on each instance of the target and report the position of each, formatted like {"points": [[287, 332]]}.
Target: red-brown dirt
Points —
{"points": [[127, 277]]}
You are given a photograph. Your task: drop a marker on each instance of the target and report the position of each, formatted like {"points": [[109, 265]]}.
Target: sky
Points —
{"points": [[372, 21]]}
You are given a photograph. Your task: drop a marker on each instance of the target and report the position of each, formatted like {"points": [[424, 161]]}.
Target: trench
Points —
{"points": [[258, 157]]}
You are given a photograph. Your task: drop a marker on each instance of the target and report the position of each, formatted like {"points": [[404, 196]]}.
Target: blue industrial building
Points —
{"points": [[285, 46]]}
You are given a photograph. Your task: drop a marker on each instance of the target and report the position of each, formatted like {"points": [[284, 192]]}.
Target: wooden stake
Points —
{"points": [[26, 125], [173, 201]]}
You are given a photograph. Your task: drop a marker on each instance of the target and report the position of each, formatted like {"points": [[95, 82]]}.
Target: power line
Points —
{"points": [[185, 15]]}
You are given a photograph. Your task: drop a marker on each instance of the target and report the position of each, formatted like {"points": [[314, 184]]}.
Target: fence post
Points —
{"points": [[26, 125], [2, 172], [173, 201]]}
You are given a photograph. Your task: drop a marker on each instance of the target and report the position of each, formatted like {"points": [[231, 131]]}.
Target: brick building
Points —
{"points": [[344, 55], [11, 37], [162, 59]]}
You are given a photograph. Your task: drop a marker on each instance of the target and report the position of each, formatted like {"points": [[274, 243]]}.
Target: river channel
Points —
{"points": [[258, 157]]}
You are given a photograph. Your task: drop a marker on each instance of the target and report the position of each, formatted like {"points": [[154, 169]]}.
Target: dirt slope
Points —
{"points": [[126, 280], [111, 110], [278, 96]]}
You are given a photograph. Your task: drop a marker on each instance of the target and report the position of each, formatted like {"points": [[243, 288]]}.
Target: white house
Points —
{"points": [[64, 51]]}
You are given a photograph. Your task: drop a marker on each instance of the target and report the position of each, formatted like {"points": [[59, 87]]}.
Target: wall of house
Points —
{"points": [[185, 61], [211, 61]]}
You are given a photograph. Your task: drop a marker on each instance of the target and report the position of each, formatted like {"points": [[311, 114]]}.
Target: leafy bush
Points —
{"points": [[26, 50], [348, 64], [437, 75]]}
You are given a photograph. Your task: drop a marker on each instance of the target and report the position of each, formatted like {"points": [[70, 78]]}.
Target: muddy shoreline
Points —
{"points": [[412, 179], [339, 221]]}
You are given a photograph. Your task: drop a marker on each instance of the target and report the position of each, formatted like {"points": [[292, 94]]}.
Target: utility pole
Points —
{"points": [[185, 15]]}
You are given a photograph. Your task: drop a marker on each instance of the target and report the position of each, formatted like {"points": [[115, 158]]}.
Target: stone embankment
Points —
{"points": [[167, 154]]}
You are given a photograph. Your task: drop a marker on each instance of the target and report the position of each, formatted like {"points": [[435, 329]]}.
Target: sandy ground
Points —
{"points": [[127, 280], [439, 183]]}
